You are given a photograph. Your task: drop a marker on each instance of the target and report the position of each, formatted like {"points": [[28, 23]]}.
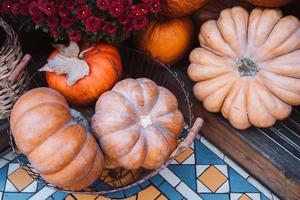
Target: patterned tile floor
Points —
{"points": [[201, 172]]}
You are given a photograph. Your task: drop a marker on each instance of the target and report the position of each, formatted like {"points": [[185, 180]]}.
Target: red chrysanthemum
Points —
{"points": [[75, 35], [66, 22], [55, 33], [6, 7], [33, 9], [116, 9], [139, 23], [52, 22], [48, 8], [24, 2], [38, 18], [136, 12], [123, 20], [109, 28], [83, 12], [81, 1], [93, 24], [15, 9], [24, 10], [70, 5], [63, 12], [155, 6], [103, 4]]}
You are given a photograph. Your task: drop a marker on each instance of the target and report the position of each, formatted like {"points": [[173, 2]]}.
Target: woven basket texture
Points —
{"points": [[10, 56]]}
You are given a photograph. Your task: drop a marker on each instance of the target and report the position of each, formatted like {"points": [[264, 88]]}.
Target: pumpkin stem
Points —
{"points": [[246, 67], [81, 54], [77, 118]]}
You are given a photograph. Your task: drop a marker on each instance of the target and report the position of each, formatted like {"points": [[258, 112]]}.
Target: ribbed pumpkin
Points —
{"points": [[212, 9], [105, 69], [179, 8], [248, 66], [137, 124], [55, 142], [270, 3], [168, 40]]}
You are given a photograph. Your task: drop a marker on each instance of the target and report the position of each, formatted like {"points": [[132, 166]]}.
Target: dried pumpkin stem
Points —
{"points": [[246, 67], [81, 54], [77, 118]]}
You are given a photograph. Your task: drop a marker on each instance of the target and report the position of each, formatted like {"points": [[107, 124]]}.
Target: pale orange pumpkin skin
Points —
{"points": [[270, 3], [137, 124], [248, 66], [179, 8], [64, 153], [105, 70], [168, 40]]}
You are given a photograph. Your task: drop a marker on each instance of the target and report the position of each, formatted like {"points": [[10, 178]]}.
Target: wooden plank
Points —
{"points": [[270, 155]]}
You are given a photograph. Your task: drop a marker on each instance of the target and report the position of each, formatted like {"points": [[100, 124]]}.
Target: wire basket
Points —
{"points": [[136, 64], [10, 57]]}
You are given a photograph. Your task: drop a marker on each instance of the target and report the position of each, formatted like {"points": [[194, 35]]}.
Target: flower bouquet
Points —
{"points": [[89, 21]]}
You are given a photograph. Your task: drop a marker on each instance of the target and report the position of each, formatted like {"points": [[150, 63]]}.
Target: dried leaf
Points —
{"points": [[75, 68], [70, 51]]}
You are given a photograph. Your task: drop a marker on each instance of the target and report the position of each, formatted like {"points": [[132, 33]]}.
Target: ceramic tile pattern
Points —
{"points": [[202, 172]]}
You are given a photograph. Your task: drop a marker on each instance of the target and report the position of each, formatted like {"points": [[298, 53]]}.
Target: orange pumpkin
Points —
{"points": [[168, 40], [179, 8], [53, 138], [137, 124], [270, 3], [105, 69], [248, 66], [212, 9]]}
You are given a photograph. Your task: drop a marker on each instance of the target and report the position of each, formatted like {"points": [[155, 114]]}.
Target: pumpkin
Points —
{"points": [[53, 138], [179, 8], [212, 9], [248, 66], [137, 123], [83, 74], [270, 3], [168, 40]]}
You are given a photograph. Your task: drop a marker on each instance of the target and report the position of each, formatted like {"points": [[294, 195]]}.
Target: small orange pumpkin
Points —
{"points": [[104, 66], [179, 8], [168, 40], [54, 139], [270, 3]]}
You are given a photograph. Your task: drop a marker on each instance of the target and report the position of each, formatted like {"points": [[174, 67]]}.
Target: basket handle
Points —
{"points": [[20, 68], [187, 142]]}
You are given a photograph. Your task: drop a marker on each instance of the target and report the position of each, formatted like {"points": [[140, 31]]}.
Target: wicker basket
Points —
{"points": [[10, 57], [136, 65]]}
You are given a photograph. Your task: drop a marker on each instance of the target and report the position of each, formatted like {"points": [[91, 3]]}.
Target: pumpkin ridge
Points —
{"points": [[131, 105], [262, 102], [129, 147], [24, 113], [143, 89], [67, 125], [86, 170]]}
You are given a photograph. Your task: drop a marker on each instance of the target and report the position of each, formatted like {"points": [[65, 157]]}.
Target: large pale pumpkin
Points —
{"points": [[137, 124], [270, 3], [103, 65], [168, 40], [179, 8], [54, 140], [248, 66], [212, 9]]}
